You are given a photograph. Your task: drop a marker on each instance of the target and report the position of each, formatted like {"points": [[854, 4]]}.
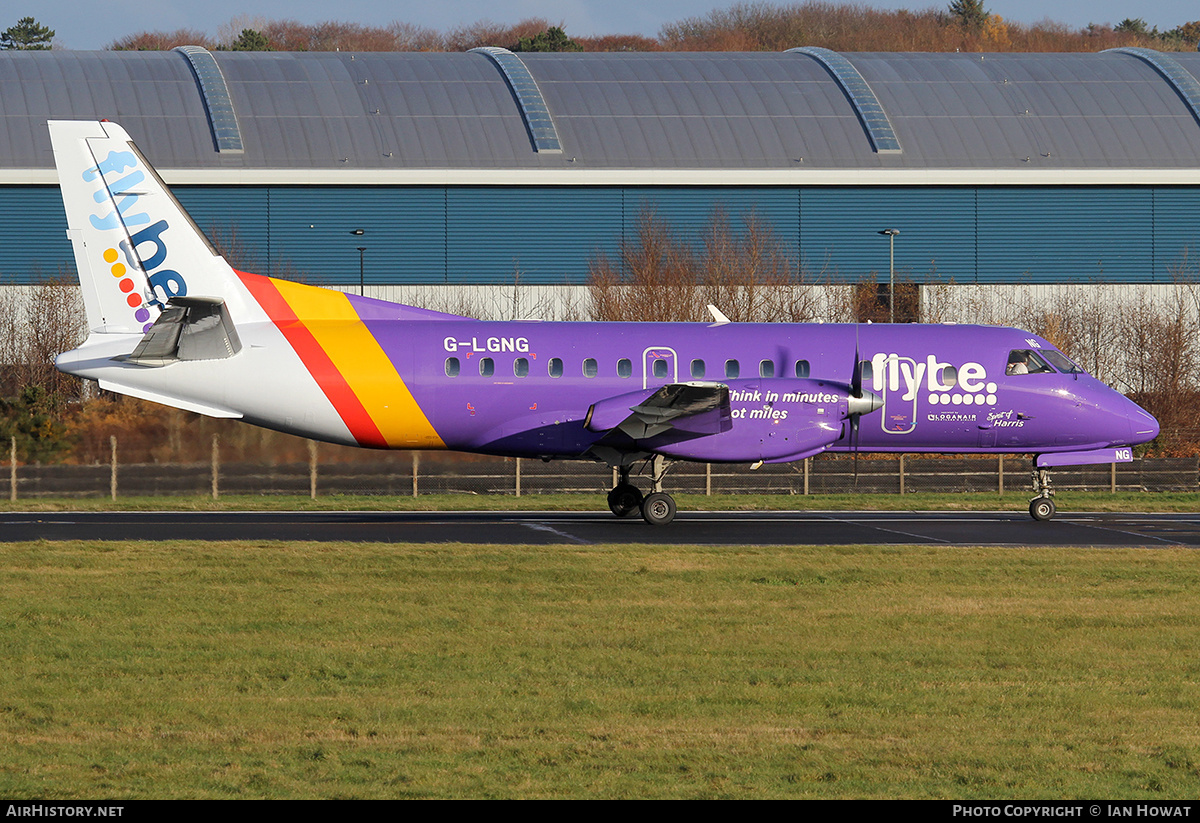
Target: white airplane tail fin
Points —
{"points": [[135, 246]]}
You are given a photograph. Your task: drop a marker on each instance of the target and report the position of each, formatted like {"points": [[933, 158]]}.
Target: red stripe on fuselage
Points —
{"points": [[318, 363]]}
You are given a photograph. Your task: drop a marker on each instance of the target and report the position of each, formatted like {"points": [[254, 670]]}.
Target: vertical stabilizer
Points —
{"points": [[135, 247]]}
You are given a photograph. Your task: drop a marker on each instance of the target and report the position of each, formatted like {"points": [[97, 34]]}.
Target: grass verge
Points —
{"points": [[246, 670], [977, 501]]}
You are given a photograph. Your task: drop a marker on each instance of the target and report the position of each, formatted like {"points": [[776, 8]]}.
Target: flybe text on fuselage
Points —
{"points": [[115, 178], [945, 383]]}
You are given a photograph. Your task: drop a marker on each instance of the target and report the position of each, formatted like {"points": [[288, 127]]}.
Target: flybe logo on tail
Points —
{"points": [[144, 251], [115, 163]]}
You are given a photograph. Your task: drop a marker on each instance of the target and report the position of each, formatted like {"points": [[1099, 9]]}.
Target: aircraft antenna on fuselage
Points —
{"points": [[718, 315]]}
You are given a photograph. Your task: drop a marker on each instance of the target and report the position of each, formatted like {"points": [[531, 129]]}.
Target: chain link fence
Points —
{"points": [[421, 473]]}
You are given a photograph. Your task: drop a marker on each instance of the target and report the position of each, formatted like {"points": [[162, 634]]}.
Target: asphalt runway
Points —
{"points": [[586, 528]]}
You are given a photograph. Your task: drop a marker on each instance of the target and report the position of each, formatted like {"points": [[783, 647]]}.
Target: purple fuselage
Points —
{"points": [[526, 388]]}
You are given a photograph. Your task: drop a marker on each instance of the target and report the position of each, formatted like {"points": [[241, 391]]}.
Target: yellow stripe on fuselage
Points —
{"points": [[366, 368]]}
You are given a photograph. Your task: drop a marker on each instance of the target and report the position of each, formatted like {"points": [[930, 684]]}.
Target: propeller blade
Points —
{"points": [[854, 445], [856, 393], [856, 374]]}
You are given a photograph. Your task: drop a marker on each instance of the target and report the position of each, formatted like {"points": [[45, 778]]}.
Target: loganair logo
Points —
{"points": [[144, 251], [942, 384]]}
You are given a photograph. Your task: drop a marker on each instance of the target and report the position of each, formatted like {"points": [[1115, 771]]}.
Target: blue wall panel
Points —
{"points": [[235, 220], [539, 235], [1176, 234], [690, 212], [35, 243], [403, 234], [438, 234], [840, 236], [1053, 235]]}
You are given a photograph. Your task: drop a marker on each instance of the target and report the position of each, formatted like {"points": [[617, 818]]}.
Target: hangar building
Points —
{"points": [[479, 167]]}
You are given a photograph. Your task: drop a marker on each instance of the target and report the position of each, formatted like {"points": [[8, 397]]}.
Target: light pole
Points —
{"points": [[891, 236], [361, 249]]}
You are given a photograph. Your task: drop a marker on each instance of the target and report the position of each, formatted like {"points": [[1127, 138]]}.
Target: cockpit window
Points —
{"points": [[1026, 361], [1061, 362]]}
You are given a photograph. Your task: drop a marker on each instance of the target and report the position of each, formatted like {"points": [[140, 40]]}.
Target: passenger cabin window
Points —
{"points": [[590, 369], [766, 368], [452, 367], [732, 369], [1026, 361], [947, 377], [697, 368], [660, 369], [555, 367], [487, 367], [624, 367], [802, 368], [521, 367]]}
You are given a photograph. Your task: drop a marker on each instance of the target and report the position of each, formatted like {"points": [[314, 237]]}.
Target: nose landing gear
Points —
{"points": [[1042, 507]]}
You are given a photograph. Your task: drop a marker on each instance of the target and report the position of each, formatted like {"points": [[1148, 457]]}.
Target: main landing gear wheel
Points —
{"points": [[658, 509], [625, 499], [1041, 508]]}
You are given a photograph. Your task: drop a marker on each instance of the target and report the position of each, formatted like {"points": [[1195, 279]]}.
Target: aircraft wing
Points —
{"points": [[696, 408]]}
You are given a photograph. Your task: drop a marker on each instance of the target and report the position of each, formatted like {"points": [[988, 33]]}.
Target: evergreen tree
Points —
{"points": [[26, 34], [552, 39], [32, 419], [251, 40], [1131, 25], [970, 13], [1189, 32]]}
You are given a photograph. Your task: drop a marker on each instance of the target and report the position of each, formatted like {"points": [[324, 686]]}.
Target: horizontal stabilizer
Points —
{"points": [[190, 328]]}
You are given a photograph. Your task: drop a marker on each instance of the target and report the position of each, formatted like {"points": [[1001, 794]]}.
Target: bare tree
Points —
{"points": [[748, 273]]}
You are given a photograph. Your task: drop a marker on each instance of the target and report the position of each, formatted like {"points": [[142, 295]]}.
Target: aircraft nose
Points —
{"points": [[1135, 424], [1142, 425]]}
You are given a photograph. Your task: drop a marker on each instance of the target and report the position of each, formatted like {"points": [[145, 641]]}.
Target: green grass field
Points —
{"points": [[248, 670]]}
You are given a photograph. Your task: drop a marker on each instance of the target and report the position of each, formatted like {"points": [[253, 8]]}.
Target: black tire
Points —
{"points": [[1041, 508], [658, 509], [625, 499]]}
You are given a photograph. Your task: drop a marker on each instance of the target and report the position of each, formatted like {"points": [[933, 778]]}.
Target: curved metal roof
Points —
{"points": [[620, 117]]}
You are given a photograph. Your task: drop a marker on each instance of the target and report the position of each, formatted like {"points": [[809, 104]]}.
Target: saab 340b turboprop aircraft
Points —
{"points": [[171, 321]]}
